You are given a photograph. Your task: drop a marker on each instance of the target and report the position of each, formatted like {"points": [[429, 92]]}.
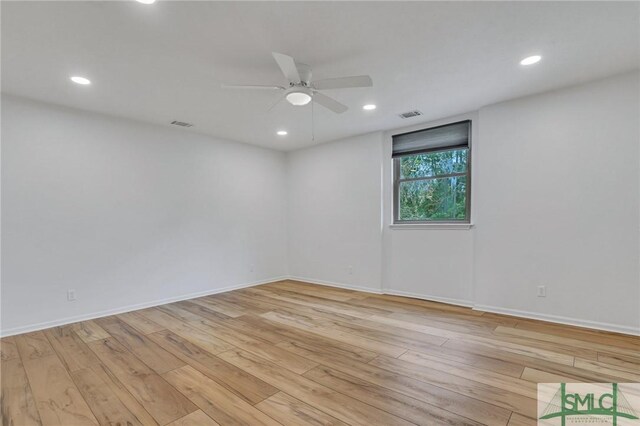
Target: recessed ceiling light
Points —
{"points": [[369, 107], [80, 80], [146, 1], [282, 133], [530, 60]]}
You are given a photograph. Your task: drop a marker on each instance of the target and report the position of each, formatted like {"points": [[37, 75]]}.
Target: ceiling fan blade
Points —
{"points": [[288, 67], [329, 103], [273, 105], [249, 86], [343, 82]]}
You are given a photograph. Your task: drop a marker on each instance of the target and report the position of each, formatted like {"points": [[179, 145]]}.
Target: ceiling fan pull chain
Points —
{"points": [[313, 125]]}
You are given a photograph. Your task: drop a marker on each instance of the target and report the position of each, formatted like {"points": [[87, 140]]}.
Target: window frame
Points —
{"points": [[397, 181]]}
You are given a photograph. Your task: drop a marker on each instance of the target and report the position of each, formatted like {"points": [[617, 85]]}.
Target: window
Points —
{"points": [[432, 179]]}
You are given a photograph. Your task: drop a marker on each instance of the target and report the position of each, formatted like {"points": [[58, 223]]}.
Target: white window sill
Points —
{"points": [[460, 226]]}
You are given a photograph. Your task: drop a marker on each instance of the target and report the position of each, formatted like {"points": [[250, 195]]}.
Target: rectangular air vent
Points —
{"points": [[410, 114], [181, 123]]}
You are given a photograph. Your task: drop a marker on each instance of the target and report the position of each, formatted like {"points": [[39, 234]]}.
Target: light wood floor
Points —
{"points": [[299, 354]]}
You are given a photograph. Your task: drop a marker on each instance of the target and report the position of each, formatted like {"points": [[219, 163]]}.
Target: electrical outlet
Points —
{"points": [[71, 295], [542, 291], [350, 270]]}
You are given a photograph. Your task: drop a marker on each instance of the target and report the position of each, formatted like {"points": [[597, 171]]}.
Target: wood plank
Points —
{"points": [[291, 411], [76, 355], [448, 355], [89, 331], [535, 362], [33, 345], [138, 321], [572, 332], [159, 398], [624, 362], [294, 335], [408, 339], [579, 375], [528, 351], [403, 406], [338, 405], [315, 290], [499, 393], [420, 305], [327, 347], [309, 301], [537, 376], [219, 305], [8, 349], [512, 384], [275, 354], [243, 384], [252, 326], [216, 401], [187, 331], [104, 403], [57, 398], [72, 350], [202, 311], [178, 312], [197, 418], [542, 350], [293, 320], [451, 401], [18, 405], [140, 345], [564, 341], [520, 420], [606, 372], [268, 304]]}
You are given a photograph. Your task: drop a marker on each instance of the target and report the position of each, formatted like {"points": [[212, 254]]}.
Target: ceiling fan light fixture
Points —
{"points": [[298, 97]]}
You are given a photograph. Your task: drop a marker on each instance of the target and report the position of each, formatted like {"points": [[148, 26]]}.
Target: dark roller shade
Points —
{"points": [[454, 135]]}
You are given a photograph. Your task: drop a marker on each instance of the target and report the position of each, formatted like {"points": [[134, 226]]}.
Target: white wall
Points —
{"points": [[335, 207], [128, 214], [557, 203]]}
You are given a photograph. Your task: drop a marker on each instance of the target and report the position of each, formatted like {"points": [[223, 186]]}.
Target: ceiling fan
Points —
{"points": [[302, 90]]}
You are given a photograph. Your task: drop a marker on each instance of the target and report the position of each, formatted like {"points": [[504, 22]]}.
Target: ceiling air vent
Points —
{"points": [[181, 123], [410, 114]]}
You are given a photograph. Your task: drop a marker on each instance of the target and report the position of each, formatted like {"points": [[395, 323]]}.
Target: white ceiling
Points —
{"points": [[166, 61]]}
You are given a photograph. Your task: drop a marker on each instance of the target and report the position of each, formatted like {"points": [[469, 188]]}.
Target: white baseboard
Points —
{"points": [[616, 328], [129, 308], [338, 285], [447, 300]]}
